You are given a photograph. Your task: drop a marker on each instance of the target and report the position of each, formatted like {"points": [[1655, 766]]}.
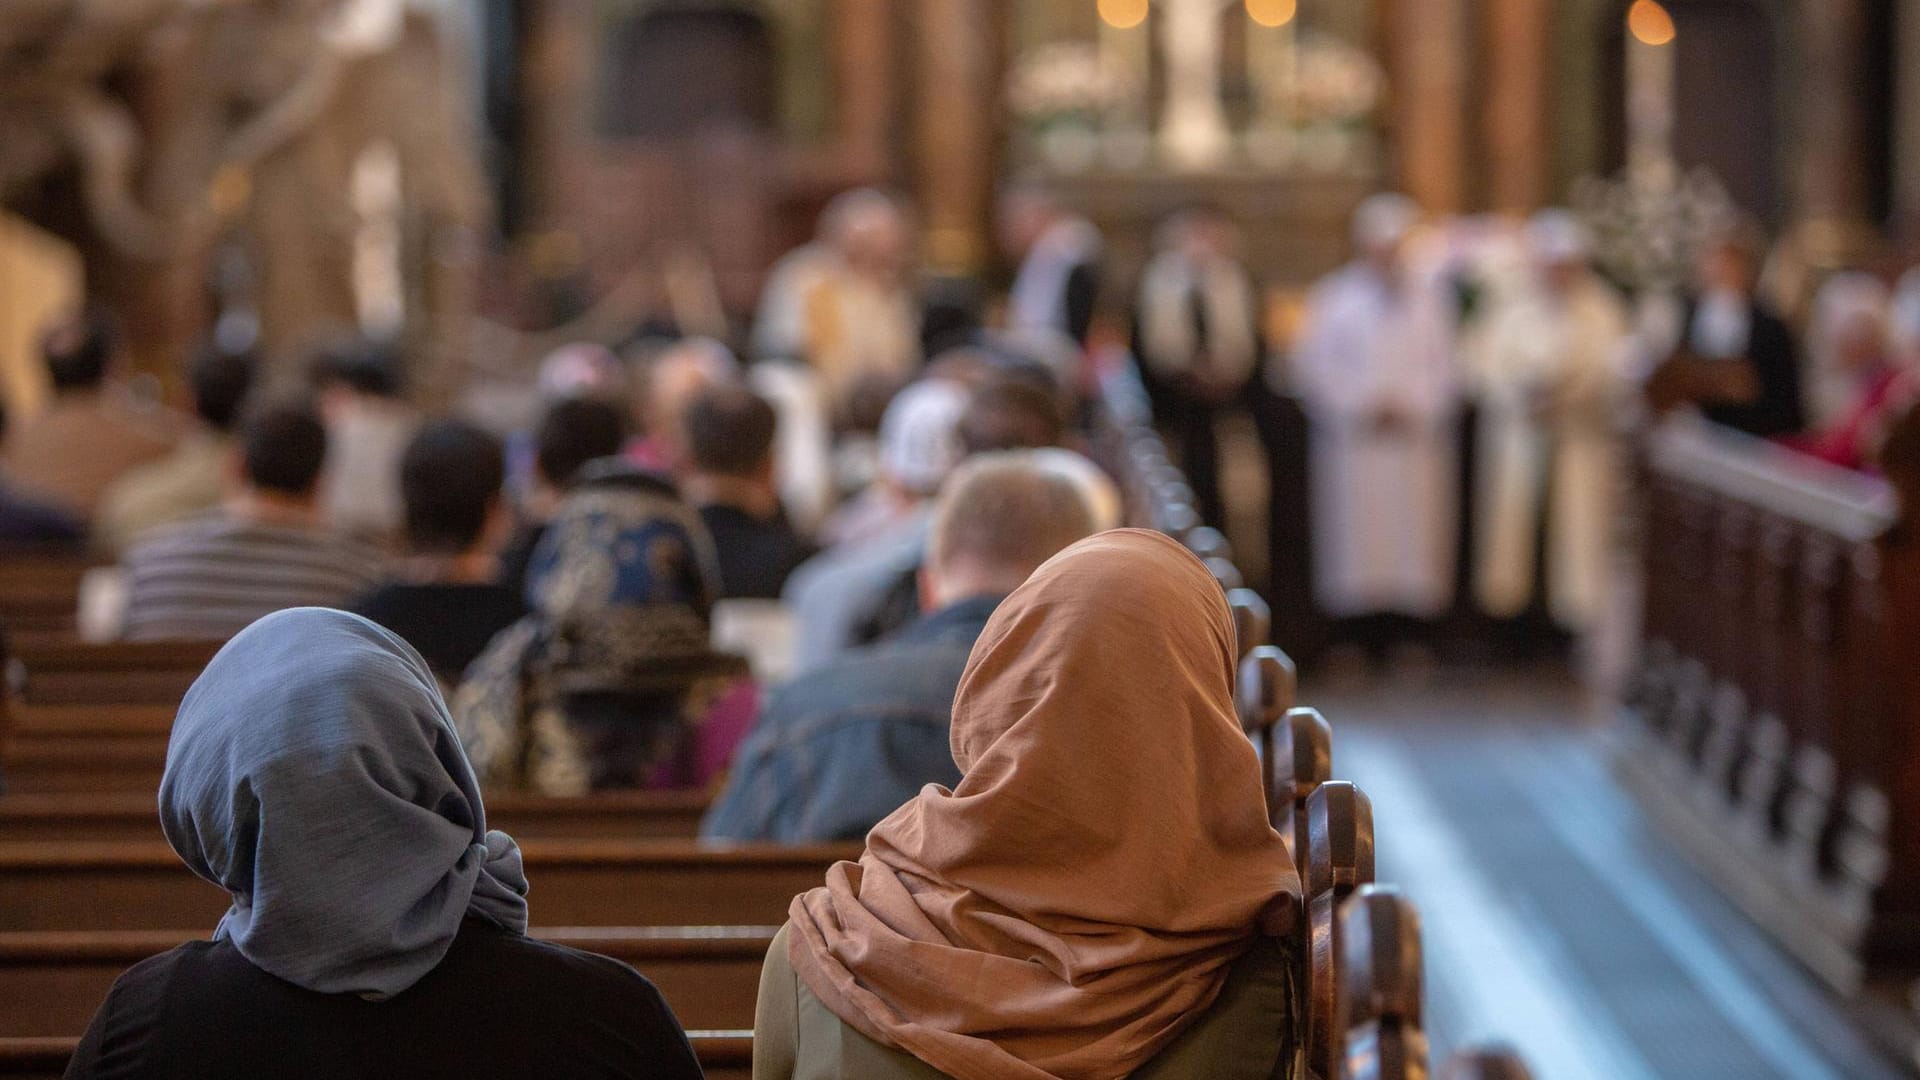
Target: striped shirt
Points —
{"points": [[207, 578]]}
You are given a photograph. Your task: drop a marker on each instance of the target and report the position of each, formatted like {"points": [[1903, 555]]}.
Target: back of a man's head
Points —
{"points": [[367, 368], [283, 447], [573, 432], [221, 380], [997, 519], [1012, 412], [79, 354], [729, 431], [450, 481]]}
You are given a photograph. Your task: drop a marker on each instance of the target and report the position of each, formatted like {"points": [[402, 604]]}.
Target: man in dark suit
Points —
{"points": [[1736, 361]]}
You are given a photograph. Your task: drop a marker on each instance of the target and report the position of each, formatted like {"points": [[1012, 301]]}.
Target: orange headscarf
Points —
{"points": [[1075, 903]]}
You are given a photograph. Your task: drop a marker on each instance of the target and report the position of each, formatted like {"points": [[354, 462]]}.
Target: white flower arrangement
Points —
{"points": [[1335, 84], [1064, 81], [1646, 228]]}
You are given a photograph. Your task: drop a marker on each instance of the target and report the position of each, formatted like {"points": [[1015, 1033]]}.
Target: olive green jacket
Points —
{"points": [[1248, 1033]]}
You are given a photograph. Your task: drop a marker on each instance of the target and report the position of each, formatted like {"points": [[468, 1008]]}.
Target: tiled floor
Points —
{"points": [[1554, 918]]}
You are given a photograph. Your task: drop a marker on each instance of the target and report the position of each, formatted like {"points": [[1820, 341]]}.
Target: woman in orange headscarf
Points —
{"points": [[1095, 899]]}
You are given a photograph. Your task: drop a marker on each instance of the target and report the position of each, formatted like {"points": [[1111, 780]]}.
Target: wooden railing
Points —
{"points": [[1773, 725]]}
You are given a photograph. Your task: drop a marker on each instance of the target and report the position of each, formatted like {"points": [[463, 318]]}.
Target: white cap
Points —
{"points": [[582, 369], [1384, 220], [920, 434], [1557, 237]]}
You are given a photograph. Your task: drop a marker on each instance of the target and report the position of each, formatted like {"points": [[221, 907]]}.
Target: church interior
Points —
{"points": [[1416, 488]]}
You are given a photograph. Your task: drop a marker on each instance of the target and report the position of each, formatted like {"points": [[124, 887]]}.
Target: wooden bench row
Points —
{"points": [[53, 981], [723, 1055], [1360, 955], [70, 816], [137, 885]]}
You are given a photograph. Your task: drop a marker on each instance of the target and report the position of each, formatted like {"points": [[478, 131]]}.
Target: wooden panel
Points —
{"points": [[104, 886], [724, 1055], [122, 816], [710, 975]]}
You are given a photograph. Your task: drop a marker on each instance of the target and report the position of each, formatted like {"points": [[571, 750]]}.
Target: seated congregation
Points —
{"points": [[350, 781]]}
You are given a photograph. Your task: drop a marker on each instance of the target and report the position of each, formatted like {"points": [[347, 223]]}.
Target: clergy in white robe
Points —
{"points": [[1374, 369], [1548, 376], [845, 303]]}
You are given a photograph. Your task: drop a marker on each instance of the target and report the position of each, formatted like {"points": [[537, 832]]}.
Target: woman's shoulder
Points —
{"points": [[518, 956]]}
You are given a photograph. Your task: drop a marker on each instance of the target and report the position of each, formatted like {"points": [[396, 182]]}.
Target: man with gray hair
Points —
{"points": [[844, 745]]}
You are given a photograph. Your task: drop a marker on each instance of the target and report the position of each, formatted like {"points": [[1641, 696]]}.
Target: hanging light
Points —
{"points": [[1272, 12], [1650, 22], [1123, 14]]}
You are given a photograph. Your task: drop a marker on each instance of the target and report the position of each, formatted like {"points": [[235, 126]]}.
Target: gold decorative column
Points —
{"points": [[864, 78], [1831, 191], [958, 57], [1429, 50], [1516, 126]]}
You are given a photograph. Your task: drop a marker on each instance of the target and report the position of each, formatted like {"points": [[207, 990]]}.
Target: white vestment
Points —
{"points": [[1385, 501], [1549, 381]]}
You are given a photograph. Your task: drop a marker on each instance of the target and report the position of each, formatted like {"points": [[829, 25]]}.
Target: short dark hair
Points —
{"points": [[1011, 412], [284, 446], [221, 380], [729, 430], [574, 432], [368, 367], [79, 353], [450, 476]]}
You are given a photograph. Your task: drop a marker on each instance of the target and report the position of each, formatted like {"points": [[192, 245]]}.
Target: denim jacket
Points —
{"points": [[843, 746]]}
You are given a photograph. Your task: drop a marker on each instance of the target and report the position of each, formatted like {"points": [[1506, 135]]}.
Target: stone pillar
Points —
{"points": [[1429, 50], [1515, 122], [1832, 194], [958, 57], [863, 86]]}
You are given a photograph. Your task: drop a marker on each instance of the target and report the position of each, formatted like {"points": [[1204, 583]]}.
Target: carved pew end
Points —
{"points": [[1489, 1063], [1209, 543], [1377, 1007], [1252, 619]]}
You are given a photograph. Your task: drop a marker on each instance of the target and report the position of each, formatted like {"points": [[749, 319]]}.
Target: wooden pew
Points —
{"points": [[724, 1055], [1378, 1004], [40, 594], [53, 981], [143, 886], [1773, 725], [1496, 1063], [91, 717], [116, 673], [613, 815], [1339, 860]]}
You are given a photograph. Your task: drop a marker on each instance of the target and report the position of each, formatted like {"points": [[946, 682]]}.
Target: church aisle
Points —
{"points": [[1555, 918]]}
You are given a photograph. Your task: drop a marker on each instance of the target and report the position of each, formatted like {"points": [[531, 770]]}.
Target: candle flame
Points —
{"points": [[1650, 22]]}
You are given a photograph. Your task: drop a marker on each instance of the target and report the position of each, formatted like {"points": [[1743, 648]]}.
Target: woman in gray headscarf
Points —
{"points": [[378, 928]]}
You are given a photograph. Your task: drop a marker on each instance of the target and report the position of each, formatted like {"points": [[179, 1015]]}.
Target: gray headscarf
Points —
{"points": [[314, 774]]}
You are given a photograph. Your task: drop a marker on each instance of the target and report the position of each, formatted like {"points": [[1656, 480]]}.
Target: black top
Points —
{"points": [[518, 556], [1776, 365], [499, 1005], [756, 554], [28, 524], [450, 624]]}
